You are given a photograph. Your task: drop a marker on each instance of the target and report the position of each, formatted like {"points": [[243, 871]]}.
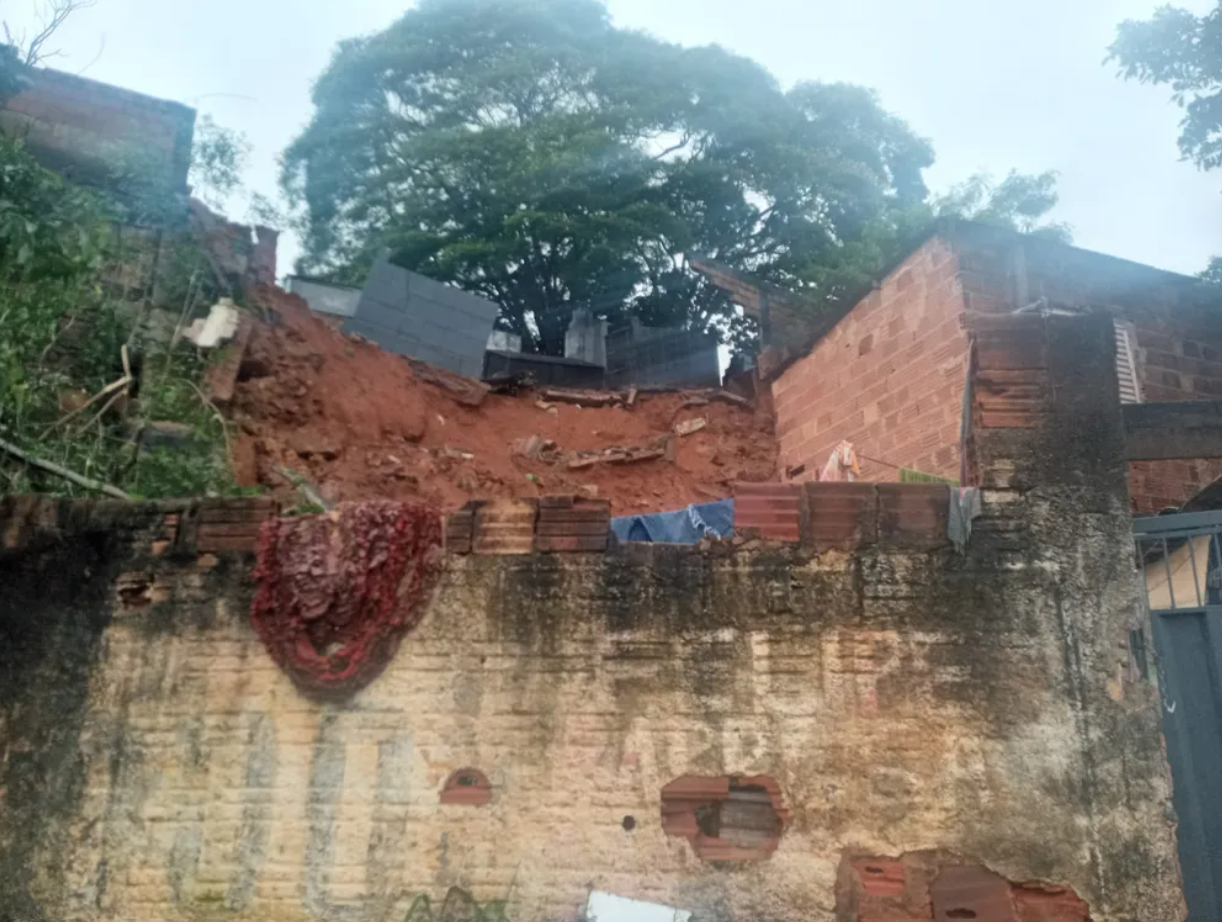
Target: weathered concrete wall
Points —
{"points": [[158, 766]]}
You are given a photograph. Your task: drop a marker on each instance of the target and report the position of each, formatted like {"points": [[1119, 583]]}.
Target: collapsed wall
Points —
{"points": [[870, 727]]}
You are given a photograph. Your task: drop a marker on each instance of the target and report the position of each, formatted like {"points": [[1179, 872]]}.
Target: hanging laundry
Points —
{"points": [[683, 526], [965, 508], [842, 465], [908, 475]]}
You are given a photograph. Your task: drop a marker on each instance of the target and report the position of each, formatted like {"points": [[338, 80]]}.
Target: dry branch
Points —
{"points": [[52, 468]]}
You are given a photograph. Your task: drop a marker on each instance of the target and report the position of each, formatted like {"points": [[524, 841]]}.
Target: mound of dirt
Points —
{"points": [[356, 422]]}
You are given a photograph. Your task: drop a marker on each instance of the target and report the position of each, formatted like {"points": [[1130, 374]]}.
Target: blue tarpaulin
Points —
{"points": [[683, 526]]}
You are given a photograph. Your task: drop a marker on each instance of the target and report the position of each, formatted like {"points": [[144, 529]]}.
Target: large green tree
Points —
{"points": [[533, 153], [529, 151]]}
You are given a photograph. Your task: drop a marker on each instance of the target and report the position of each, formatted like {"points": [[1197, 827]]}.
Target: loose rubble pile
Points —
{"points": [[334, 418]]}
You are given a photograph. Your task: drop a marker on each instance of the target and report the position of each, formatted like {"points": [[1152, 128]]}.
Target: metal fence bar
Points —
{"points": [[1192, 562], [1189, 656], [1170, 577], [1191, 521]]}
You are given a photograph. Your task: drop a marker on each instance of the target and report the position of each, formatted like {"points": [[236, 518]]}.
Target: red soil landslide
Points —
{"points": [[357, 423]]}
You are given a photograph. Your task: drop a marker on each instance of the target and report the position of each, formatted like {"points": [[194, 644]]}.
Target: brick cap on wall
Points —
{"points": [[844, 516]]}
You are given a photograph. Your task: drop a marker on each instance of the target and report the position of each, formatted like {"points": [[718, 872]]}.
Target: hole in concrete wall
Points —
{"points": [[139, 590], [730, 818], [467, 786], [629, 823], [939, 887], [971, 892]]}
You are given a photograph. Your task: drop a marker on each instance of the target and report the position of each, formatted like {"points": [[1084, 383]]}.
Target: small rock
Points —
{"points": [[528, 448], [311, 446], [166, 435], [690, 426]]}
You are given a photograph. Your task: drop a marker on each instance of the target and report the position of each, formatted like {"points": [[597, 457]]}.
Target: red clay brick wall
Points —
{"points": [[889, 378], [1173, 365], [1178, 347], [87, 127]]}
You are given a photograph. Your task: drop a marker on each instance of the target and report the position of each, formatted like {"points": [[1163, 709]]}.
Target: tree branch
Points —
{"points": [[60, 10], [95, 485]]}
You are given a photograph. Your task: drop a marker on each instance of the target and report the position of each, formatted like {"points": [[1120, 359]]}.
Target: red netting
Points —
{"points": [[337, 592]]}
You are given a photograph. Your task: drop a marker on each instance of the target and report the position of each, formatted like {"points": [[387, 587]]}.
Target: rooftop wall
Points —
{"points": [[1175, 328], [864, 728], [89, 129]]}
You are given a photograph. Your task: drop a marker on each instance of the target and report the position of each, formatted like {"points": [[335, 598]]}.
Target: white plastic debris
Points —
{"points": [[220, 326], [607, 907]]}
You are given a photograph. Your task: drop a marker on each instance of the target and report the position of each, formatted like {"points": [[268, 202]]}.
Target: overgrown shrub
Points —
{"points": [[62, 338]]}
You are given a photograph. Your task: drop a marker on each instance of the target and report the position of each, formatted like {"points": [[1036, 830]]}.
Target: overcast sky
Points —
{"points": [[993, 85]]}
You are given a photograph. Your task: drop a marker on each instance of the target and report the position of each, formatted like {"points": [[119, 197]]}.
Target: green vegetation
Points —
{"points": [[1183, 51], [1180, 50], [531, 152], [67, 340]]}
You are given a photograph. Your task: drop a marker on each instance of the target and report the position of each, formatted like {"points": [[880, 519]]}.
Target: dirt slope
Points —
{"points": [[358, 423]]}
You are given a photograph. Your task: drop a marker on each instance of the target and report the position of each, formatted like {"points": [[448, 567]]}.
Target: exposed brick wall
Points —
{"points": [[550, 524], [1175, 361], [86, 128], [889, 378], [899, 697], [844, 516], [1178, 330], [930, 886]]}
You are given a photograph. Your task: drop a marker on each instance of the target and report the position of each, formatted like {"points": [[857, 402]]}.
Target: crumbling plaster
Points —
{"points": [[157, 765]]}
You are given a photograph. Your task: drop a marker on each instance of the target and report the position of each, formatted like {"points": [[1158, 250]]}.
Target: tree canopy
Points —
{"points": [[535, 154], [1181, 50], [1020, 202]]}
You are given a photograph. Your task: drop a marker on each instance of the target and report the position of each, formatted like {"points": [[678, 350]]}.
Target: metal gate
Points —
{"points": [[1181, 556]]}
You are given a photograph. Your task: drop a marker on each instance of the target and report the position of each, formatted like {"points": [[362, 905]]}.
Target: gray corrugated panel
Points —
{"points": [[429, 321], [379, 315], [459, 322], [376, 332], [325, 298], [386, 283]]}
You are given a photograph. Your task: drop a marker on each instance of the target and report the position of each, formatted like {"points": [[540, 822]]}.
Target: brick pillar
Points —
{"points": [[263, 260], [1046, 407], [1048, 449]]}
